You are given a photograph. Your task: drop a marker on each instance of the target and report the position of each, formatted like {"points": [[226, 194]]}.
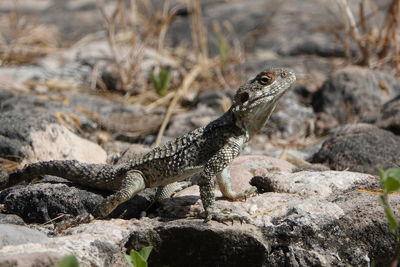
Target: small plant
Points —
{"points": [[223, 48], [390, 181], [68, 261], [161, 81], [139, 258]]}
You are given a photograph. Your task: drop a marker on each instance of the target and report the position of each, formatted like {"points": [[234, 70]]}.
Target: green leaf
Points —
{"points": [[145, 252], [129, 259], [392, 184], [393, 172], [381, 174], [68, 261], [137, 259]]}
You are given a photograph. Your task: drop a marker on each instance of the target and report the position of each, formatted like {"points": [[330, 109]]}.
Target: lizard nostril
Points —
{"points": [[243, 97]]}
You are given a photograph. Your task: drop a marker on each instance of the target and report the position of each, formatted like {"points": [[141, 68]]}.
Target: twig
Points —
{"points": [[189, 79]]}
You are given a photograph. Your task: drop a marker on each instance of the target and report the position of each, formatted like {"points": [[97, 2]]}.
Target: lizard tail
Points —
{"points": [[72, 170]]}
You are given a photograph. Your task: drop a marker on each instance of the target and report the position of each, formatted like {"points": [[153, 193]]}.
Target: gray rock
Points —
{"points": [[360, 147], [11, 219], [353, 92], [310, 218], [30, 130], [16, 235], [388, 117], [290, 120], [41, 202], [185, 122], [100, 243]]}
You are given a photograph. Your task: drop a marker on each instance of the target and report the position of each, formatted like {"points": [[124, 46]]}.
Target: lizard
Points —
{"points": [[206, 151]]}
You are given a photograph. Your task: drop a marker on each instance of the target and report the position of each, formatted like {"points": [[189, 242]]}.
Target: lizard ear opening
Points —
{"points": [[242, 97]]}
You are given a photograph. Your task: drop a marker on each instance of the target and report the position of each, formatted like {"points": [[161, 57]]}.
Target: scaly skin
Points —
{"points": [[207, 150]]}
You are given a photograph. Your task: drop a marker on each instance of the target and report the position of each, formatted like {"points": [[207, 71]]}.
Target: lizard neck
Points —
{"points": [[252, 121]]}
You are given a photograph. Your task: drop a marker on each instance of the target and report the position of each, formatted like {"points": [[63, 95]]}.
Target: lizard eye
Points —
{"points": [[264, 80], [283, 74], [242, 97]]}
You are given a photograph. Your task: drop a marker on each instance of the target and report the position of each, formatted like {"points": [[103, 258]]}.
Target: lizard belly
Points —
{"points": [[168, 179]]}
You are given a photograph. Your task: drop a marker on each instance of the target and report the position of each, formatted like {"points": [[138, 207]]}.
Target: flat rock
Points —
{"points": [[312, 183], [359, 147], [100, 243], [353, 92], [17, 234]]}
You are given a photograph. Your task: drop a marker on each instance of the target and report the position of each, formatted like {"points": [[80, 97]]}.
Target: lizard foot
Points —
{"points": [[222, 216]]}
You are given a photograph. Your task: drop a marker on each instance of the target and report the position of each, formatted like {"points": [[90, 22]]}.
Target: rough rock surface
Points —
{"points": [[30, 131], [100, 243], [300, 223], [360, 147], [40, 202], [353, 92]]}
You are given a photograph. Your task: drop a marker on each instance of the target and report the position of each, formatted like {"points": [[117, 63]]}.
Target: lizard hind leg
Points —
{"points": [[132, 184]]}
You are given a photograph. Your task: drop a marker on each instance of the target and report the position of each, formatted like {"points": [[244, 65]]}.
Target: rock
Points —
{"points": [[290, 120], [242, 170], [360, 147], [41, 202], [315, 44], [310, 183], [319, 218], [30, 131], [299, 224], [353, 92], [16, 234], [11, 219], [217, 99], [188, 121], [100, 243], [389, 116]]}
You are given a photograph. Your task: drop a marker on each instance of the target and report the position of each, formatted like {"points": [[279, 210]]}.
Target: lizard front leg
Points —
{"points": [[215, 165]]}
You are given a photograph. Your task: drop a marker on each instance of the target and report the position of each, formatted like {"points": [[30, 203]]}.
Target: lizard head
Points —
{"points": [[254, 101]]}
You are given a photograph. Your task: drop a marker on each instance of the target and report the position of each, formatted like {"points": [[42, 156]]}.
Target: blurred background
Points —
{"points": [[145, 71]]}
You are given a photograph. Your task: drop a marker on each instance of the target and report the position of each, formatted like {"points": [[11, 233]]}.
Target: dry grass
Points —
{"points": [[377, 41], [130, 27], [22, 40]]}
